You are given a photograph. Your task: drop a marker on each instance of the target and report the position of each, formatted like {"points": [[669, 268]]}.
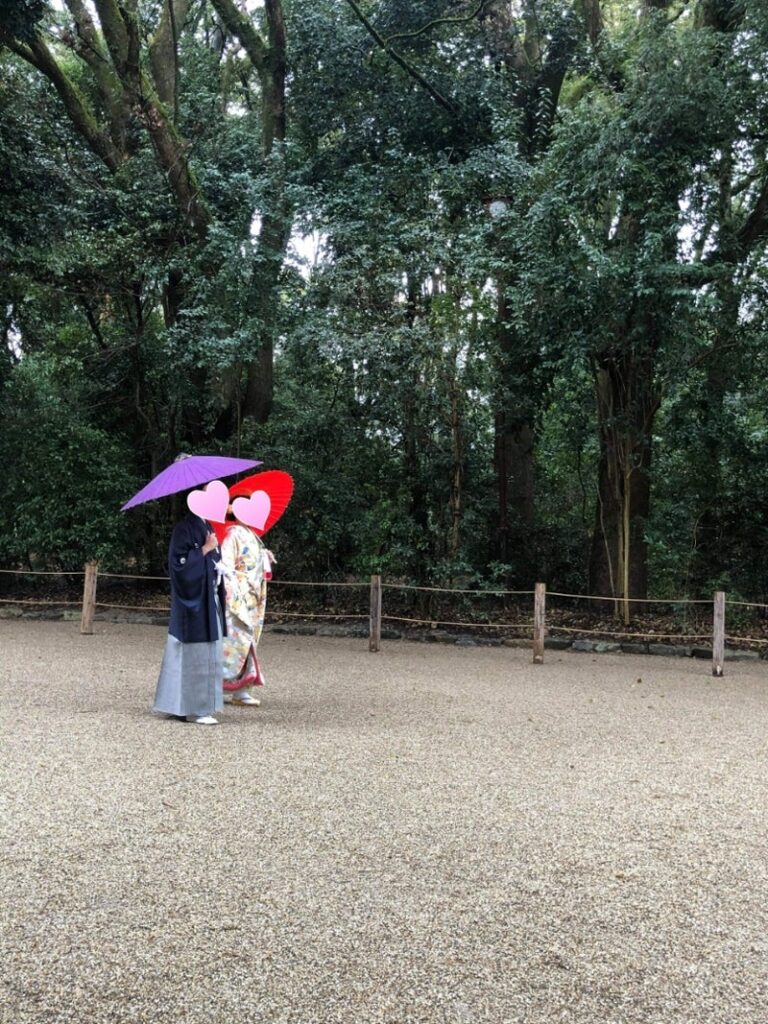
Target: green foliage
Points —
{"points": [[127, 337], [19, 18], [60, 502]]}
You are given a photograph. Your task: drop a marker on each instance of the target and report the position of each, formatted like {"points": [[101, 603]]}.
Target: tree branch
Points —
{"points": [[170, 150], [408, 68], [593, 19], [241, 27], [755, 227], [115, 33], [163, 56], [131, 73], [93, 323], [437, 22], [90, 48], [39, 56], [273, 116]]}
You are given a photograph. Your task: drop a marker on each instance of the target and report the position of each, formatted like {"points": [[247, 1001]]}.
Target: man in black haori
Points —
{"points": [[190, 683]]}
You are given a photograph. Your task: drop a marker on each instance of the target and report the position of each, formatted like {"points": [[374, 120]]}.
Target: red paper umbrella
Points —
{"points": [[278, 487]]}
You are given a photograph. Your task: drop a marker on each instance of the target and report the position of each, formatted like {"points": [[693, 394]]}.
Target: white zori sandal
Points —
{"points": [[244, 699], [203, 719]]}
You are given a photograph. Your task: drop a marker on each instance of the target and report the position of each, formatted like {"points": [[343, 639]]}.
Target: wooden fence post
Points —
{"points": [[374, 631], [718, 634], [89, 596], [539, 622]]}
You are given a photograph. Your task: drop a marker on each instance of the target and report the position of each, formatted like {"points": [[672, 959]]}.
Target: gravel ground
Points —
{"points": [[437, 835]]}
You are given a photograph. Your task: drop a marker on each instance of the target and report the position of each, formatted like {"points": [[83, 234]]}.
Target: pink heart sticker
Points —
{"points": [[210, 503], [253, 511]]}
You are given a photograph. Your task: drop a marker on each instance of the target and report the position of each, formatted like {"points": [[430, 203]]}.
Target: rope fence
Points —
{"points": [[134, 607], [42, 572], [305, 583], [445, 622], [128, 576], [446, 590], [537, 628], [631, 600], [320, 615]]}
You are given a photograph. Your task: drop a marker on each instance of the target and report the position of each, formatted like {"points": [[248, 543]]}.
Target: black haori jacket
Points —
{"points": [[193, 584]]}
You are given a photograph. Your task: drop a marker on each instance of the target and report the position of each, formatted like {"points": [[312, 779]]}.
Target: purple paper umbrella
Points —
{"points": [[186, 472]]}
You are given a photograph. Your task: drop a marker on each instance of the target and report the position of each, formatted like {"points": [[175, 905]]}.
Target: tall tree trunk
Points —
{"points": [[627, 402], [537, 57], [457, 463], [413, 449], [190, 421], [707, 560], [514, 449], [709, 557], [260, 387], [269, 60]]}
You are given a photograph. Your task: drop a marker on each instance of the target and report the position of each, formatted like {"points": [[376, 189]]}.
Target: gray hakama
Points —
{"points": [[191, 679]]}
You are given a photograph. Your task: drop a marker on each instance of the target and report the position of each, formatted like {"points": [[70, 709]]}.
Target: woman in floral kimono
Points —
{"points": [[247, 566]]}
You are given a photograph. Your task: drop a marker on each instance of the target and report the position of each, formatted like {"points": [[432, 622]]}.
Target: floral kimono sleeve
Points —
{"points": [[241, 556]]}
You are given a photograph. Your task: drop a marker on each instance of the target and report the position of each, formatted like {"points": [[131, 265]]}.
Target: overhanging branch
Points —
{"points": [[39, 56], [437, 22], [401, 61], [756, 225], [241, 27]]}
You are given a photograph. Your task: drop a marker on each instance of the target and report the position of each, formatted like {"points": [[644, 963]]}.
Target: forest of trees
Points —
{"points": [[486, 277]]}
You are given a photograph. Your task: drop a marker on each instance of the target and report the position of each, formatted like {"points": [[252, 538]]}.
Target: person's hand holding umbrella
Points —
{"points": [[211, 543]]}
